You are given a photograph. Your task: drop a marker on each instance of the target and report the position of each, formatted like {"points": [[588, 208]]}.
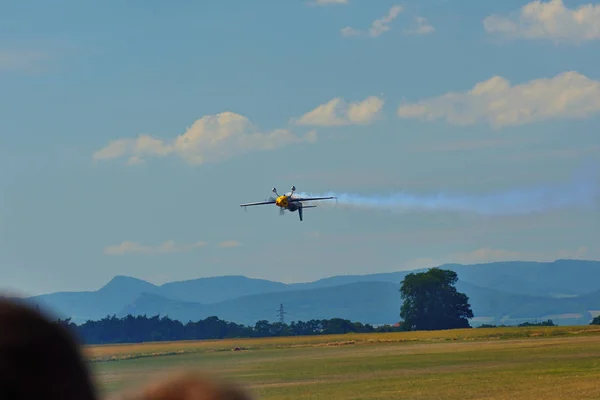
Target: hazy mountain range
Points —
{"points": [[567, 291]]}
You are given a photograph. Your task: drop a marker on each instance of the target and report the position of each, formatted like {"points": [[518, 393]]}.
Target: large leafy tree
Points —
{"points": [[431, 301]]}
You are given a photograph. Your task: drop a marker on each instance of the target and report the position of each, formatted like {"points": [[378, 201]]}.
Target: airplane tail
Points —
{"points": [[300, 211]]}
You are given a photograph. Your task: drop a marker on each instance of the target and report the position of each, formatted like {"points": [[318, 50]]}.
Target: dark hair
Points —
{"points": [[39, 359]]}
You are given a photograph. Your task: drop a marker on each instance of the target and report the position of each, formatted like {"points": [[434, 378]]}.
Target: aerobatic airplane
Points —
{"points": [[288, 202]]}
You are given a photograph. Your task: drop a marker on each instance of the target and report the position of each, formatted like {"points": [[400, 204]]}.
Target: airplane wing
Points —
{"points": [[257, 203], [311, 198]]}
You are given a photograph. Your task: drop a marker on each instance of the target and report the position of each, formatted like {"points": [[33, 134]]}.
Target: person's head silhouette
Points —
{"points": [[38, 358], [187, 385]]}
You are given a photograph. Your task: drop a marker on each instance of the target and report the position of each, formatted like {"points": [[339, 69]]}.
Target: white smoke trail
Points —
{"points": [[579, 193]]}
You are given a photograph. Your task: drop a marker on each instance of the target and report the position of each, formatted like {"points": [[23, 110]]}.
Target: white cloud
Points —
{"points": [[548, 20], [496, 102], [337, 113], [382, 25], [229, 244], [20, 60], [348, 31], [210, 139], [423, 27], [378, 26], [167, 247]]}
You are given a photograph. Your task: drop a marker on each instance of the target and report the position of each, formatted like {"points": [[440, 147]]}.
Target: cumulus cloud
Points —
{"points": [[210, 139], [498, 103], [423, 27], [229, 244], [169, 246], [337, 112], [348, 31], [381, 25], [378, 26], [548, 20]]}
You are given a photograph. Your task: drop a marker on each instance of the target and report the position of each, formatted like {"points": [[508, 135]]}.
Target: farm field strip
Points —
{"points": [[128, 351], [496, 363]]}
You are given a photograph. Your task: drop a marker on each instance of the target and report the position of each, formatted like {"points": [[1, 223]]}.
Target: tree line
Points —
{"points": [[548, 322], [141, 328]]}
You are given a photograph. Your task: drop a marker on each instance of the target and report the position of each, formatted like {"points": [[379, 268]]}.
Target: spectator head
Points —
{"points": [[39, 359], [190, 385]]}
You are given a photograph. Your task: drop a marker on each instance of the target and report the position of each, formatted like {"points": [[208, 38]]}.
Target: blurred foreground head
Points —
{"points": [[39, 359], [187, 386]]}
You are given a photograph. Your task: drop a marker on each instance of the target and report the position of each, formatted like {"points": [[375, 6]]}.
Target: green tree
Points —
{"points": [[596, 320], [431, 302]]}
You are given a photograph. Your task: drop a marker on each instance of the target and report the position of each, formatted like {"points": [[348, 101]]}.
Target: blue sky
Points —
{"points": [[130, 133]]}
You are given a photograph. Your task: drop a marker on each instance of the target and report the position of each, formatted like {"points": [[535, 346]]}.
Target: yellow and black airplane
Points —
{"points": [[288, 202]]}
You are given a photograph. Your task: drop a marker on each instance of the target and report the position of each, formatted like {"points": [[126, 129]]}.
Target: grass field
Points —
{"points": [[497, 363]]}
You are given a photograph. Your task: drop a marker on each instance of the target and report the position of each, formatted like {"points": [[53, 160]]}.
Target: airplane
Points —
{"points": [[288, 202]]}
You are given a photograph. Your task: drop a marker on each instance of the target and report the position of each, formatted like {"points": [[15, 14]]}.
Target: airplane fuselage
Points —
{"points": [[287, 202]]}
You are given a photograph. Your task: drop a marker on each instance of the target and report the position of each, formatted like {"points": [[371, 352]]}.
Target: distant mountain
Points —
{"points": [[367, 302], [80, 306], [560, 278], [221, 288], [497, 290], [591, 300], [122, 291], [493, 306], [555, 279]]}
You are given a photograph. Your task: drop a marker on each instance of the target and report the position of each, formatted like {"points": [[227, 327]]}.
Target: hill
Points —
{"points": [[560, 278], [367, 302], [122, 291], [221, 288], [499, 291], [81, 306]]}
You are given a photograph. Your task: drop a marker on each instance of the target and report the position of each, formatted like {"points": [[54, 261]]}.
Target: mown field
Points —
{"points": [[497, 363]]}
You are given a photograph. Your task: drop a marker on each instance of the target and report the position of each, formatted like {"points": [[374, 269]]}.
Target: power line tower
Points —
{"points": [[281, 314]]}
